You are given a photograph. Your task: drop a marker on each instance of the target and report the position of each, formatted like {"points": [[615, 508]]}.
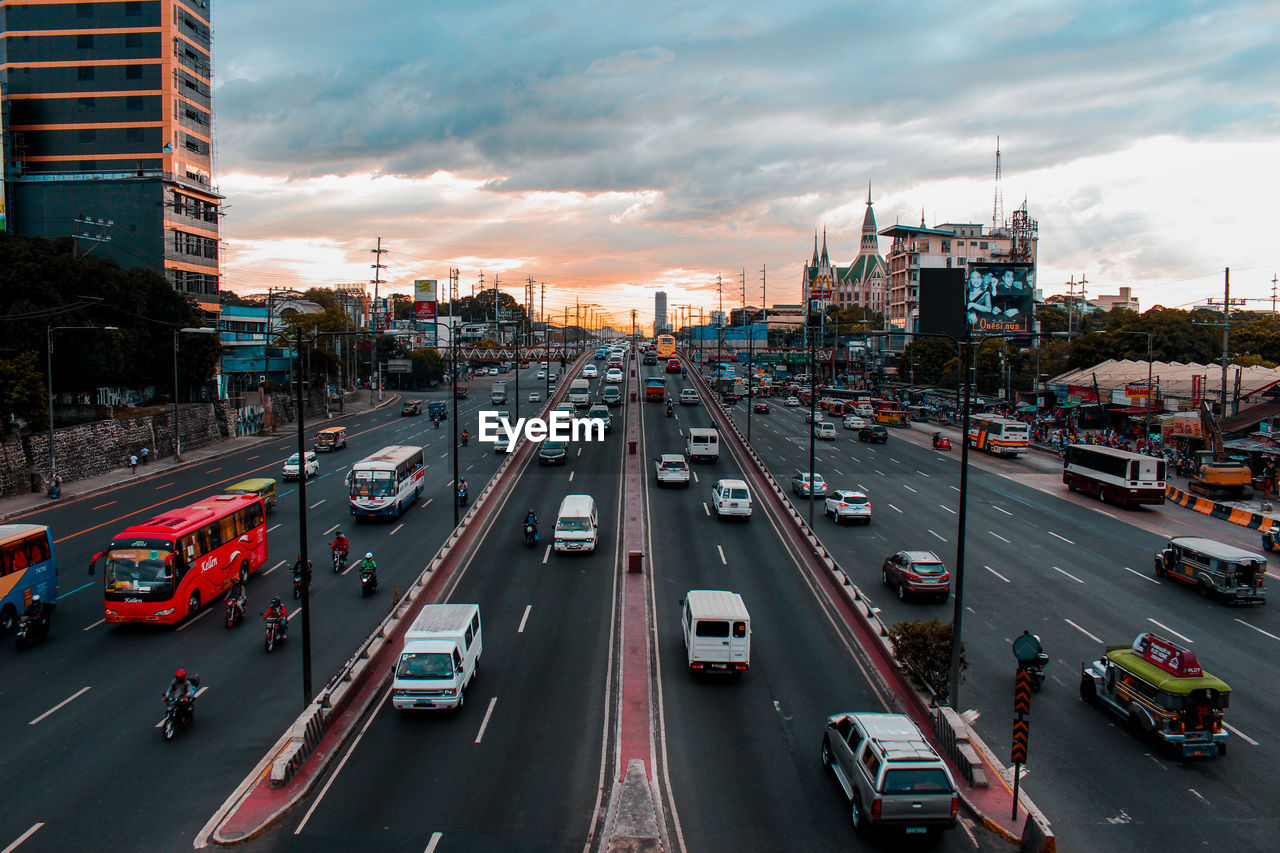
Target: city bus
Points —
{"points": [[666, 346], [1119, 476], [166, 568], [28, 566], [384, 483], [999, 436]]}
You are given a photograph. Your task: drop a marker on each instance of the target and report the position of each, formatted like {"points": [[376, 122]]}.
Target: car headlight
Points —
{"points": [[164, 612]]}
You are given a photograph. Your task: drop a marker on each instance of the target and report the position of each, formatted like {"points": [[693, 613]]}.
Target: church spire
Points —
{"points": [[869, 244], [814, 262], [825, 261]]}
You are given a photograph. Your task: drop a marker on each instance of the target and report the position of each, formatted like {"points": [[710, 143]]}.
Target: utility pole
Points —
{"points": [[1226, 334], [378, 267], [1274, 281]]}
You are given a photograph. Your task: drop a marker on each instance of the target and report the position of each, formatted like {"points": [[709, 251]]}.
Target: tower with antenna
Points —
{"points": [[997, 204]]}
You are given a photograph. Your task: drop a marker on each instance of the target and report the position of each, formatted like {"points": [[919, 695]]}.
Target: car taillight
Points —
{"points": [[875, 808], [911, 576], [955, 806]]}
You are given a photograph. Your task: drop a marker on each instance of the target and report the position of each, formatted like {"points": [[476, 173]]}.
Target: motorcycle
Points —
{"points": [[462, 496], [339, 560], [465, 438], [941, 442], [671, 410], [33, 629], [179, 712], [235, 610], [530, 535], [368, 581], [297, 585], [1036, 669], [275, 632]]}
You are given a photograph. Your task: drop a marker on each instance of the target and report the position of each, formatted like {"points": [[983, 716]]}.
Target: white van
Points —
{"points": [[731, 498], [717, 631], [864, 410], [577, 524], [580, 393], [440, 657], [702, 444]]}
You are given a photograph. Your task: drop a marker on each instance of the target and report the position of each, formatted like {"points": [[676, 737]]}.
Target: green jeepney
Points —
{"points": [[263, 487], [1158, 688]]}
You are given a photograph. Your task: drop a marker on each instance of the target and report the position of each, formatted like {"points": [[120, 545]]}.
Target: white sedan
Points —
{"points": [[853, 422], [590, 372], [792, 401], [535, 397], [613, 375]]}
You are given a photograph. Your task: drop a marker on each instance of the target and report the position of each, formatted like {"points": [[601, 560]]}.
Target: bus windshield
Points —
{"points": [[147, 569], [373, 484]]}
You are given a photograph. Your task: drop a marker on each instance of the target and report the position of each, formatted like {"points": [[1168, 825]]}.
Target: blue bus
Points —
{"points": [[28, 567]]}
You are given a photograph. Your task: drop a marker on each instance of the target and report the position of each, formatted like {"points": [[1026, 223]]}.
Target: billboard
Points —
{"points": [[1000, 298], [424, 299], [942, 302]]}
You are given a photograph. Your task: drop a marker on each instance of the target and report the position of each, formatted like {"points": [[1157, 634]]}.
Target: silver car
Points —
{"points": [[889, 773], [848, 505], [802, 487]]}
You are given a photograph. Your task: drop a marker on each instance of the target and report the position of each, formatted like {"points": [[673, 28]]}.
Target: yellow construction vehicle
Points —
{"points": [[1218, 477]]}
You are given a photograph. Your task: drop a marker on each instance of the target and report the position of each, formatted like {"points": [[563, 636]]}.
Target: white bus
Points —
{"points": [[384, 483], [999, 436], [1119, 476], [580, 393]]}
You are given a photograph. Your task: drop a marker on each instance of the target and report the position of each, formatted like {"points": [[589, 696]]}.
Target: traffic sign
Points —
{"points": [[1022, 693], [1021, 733]]}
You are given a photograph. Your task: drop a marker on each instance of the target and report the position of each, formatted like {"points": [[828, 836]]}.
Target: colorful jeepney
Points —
{"points": [[893, 414], [1159, 689]]}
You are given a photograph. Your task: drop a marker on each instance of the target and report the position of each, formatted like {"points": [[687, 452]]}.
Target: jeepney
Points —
{"points": [[1214, 568], [1159, 689], [893, 416], [263, 487], [331, 438]]}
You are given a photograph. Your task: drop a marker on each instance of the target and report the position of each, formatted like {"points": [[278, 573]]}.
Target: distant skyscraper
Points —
{"points": [[660, 323]]}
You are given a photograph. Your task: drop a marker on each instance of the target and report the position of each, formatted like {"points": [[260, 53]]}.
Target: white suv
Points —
{"points": [[731, 498], [848, 505], [671, 468], [290, 471]]}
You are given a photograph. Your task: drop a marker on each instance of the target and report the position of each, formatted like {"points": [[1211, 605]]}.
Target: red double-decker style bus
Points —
{"points": [[164, 569]]}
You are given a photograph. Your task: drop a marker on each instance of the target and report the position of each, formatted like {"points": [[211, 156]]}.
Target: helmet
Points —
{"points": [[340, 533], [531, 512], [182, 673], [275, 599], [35, 599], [368, 555]]}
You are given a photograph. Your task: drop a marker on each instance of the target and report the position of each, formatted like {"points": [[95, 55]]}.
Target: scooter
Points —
{"points": [[671, 410], [530, 535], [368, 581], [297, 585], [1036, 669], [462, 496], [235, 609], [275, 632], [465, 438], [941, 442], [179, 712], [33, 629]]}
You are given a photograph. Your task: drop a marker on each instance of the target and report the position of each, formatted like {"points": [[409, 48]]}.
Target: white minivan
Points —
{"points": [[717, 631], [731, 498], [440, 657], [577, 524], [702, 444]]}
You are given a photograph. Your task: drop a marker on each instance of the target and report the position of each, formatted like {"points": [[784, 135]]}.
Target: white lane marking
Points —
{"points": [[957, 488], [59, 705], [909, 489], [943, 538], [921, 473], [1063, 538], [695, 476], [706, 509], [1182, 637], [1082, 631], [1244, 737], [428, 502], [1140, 574], [895, 461], [894, 508], [1198, 795], [273, 527], [579, 451], [343, 468], [469, 467], [198, 692], [947, 508], [350, 751], [273, 568], [1068, 574], [547, 554], [485, 722], [197, 618], [1241, 621], [23, 837], [997, 574], [397, 527], [998, 509], [442, 456], [1001, 538], [524, 618], [331, 529], [838, 471], [881, 473], [722, 559], [94, 625], [571, 473], [435, 839]]}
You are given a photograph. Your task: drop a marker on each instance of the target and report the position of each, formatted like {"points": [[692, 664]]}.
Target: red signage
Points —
{"points": [[1085, 393], [1197, 390], [1173, 659], [1134, 389]]}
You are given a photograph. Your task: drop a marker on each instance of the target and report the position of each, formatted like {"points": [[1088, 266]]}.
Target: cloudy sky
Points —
{"points": [[611, 149]]}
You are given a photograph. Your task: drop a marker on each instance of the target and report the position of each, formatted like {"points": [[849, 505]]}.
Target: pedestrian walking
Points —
{"points": [[133, 463], [145, 454]]}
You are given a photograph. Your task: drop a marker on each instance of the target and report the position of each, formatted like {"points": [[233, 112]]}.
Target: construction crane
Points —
{"points": [[1217, 477]]}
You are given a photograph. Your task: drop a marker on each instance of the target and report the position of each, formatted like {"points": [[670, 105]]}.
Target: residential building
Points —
{"points": [[108, 132], [1123, 299]]}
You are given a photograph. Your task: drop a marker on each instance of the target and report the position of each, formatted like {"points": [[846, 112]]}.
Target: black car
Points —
{"points": [[762, 408], [553, 453], [874, 433], [411, 407]]}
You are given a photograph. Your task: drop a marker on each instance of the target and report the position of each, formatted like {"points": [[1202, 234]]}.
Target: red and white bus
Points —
{"points": [[1119, 476], [164, 569], [999, 436], [384, 483]]}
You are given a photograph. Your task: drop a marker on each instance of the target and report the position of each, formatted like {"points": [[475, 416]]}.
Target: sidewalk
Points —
{"points": [[357, 403]]}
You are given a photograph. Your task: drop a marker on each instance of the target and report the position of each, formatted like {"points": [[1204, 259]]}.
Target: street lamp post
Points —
{"points": [[177, 431], [49, 330]]}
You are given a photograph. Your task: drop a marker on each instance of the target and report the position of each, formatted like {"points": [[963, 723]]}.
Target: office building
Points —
{"points": [[660, 323], [107, 120]]}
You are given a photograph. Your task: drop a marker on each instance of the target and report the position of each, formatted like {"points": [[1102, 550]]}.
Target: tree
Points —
{"points": [[23, 395], [428, 366], [931, 360], [923, 649]]}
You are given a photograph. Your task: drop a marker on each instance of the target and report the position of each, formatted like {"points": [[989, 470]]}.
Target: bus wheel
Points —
{"points": [[8, 618], [193, 603]]}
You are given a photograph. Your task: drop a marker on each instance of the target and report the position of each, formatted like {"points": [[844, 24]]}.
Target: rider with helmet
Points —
{"points": [[368, 565], [298, 568], [277, 610], [340, 543], [180, 689], [462, 489]]}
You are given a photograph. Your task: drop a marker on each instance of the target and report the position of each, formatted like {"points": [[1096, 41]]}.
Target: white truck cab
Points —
{"points": [[440, 657], [717, 631]]}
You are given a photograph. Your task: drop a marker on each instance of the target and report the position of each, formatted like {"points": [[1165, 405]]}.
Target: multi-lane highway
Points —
{"points": [[1079, 574]]}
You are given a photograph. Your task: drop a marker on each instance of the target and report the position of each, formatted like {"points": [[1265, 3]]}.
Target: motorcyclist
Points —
{"points": [[237, 596], [35, 610], [531, 520], [180, 689], [340, 543], [435, 421], [368, 565], [671, 407], [466, 436], [462, 489], [297, 569], [277, 610]]}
